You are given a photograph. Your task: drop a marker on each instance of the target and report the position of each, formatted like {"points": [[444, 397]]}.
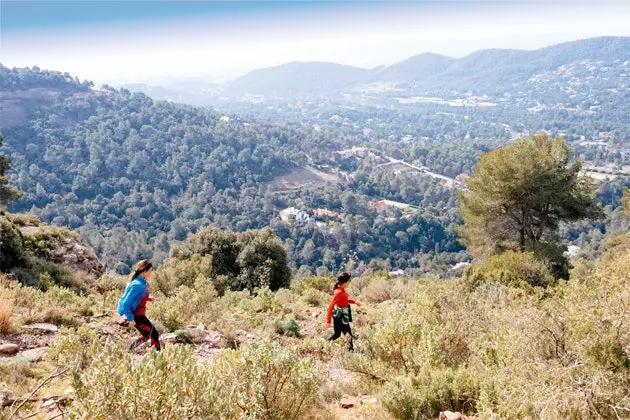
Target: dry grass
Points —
{"points": [[6, 312]]}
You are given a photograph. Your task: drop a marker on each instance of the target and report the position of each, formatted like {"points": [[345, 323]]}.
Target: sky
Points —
{"points": [[149, 41]]}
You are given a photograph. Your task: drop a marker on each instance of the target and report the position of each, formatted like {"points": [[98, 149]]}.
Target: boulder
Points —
{"points": [[450, 415], [347, 402], [9, 349], [34, 355], [41, 326]]}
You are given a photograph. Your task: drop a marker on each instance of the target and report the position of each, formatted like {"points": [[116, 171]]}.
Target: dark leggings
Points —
{"points": [[341, 327], [147, 330]]}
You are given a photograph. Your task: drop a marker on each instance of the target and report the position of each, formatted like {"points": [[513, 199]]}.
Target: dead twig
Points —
{"points": [[41, 384]]}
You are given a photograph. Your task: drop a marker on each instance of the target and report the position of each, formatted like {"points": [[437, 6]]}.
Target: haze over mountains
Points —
{"points": [[490, 72]]}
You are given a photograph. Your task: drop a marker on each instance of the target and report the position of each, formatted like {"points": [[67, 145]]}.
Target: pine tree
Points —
{"points": [[519, 195], [625, 201], [7, 193]]}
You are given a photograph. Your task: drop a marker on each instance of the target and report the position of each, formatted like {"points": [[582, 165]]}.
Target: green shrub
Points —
{"points": [[268, 381], [425, 396], [292, 328], [258, 381], [514, 269], [183, 272], [323, 284], [12, 253], [75, 348], [315, 297], [168, 384]]}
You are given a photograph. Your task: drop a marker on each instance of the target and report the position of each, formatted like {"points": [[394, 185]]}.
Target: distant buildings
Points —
{"points": [[354, 151], [381, 205], [325, 213], [291, 213]]}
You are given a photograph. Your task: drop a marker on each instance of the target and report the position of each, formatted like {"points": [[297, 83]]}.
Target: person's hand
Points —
{"points": [[328, 325], [132, 324], [150, 299], [358, 304]]}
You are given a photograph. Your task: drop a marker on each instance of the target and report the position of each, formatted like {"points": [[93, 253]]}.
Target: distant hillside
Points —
{"points": [[487, 71], [414, 68], [295, 79]]}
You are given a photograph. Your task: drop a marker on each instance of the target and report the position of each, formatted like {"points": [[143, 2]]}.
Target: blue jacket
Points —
{"points": [[135, 291]]}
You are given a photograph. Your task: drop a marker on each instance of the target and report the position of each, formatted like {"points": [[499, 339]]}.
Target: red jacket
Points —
{"points": [[340, 299]]}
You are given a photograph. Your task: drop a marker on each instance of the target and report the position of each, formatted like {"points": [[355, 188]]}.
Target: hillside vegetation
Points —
{"points": [[509, 338], [482, 345]]}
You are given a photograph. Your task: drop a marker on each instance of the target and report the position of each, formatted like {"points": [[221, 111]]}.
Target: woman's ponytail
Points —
{"points": [[341, 279], [141, 267]]}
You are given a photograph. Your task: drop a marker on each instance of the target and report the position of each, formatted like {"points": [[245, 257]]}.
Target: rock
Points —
{"points": [[48, 403], [104, 329], [368, 400], [450, 415], [9, 349], [34, 355], [201, 326], [168, 337], [40, 326], [347, 402]]}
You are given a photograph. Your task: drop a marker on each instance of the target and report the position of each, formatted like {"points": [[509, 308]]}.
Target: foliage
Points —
{"points": [[514, 269], [12, 253], [519, 195], [323, 284], [626, 201], [7, 193], [262, 381], [424, 397], [251, 260], [265, 380], [6, 312]]}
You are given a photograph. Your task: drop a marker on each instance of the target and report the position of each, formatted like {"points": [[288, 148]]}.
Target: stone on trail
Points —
{"points": [[41, 326], [347, 402], [450, 415], [9, 349]]}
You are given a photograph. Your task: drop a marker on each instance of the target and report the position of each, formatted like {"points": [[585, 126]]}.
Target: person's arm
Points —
{"points": [[354, 302]]}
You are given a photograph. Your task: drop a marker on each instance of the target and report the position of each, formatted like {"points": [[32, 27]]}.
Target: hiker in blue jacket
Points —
{"points": [[133, 305]]}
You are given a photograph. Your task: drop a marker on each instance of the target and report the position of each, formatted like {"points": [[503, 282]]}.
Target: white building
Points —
{"points": [[292, 213]]}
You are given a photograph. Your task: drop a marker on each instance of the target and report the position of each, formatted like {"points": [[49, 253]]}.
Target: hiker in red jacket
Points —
{"points": [[133, 305], [339, 309]]}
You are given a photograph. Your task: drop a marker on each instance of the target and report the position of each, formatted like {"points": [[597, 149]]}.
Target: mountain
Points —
{"points": [[298, 79], [133, 175], [414, 68], [492, 71]]}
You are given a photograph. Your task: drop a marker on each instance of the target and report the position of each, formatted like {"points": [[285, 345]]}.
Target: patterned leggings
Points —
{"points": [[147, 330]]}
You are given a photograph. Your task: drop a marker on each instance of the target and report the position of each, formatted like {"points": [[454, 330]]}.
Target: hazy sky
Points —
{"points": [[148, 40]]}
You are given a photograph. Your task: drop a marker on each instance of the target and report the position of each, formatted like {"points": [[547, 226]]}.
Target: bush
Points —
{"points": [[262, 380], [382, 289], [315, 297], [266, 380], [6, 311], [425, 396], [185, 305], [514, 269], [291, 328], [183, 272], [12, 253], [323, 284], [167, 384], [75, 348], [251, 260]]}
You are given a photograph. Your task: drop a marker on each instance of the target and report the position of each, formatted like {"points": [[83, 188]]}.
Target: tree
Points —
{"points": [[7, 193], [625, 201], [517, 197]]}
